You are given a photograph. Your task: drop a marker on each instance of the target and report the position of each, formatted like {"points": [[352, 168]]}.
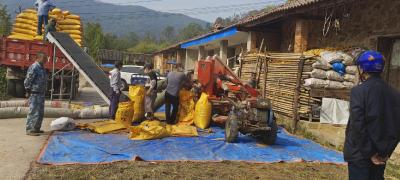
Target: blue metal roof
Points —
{"points": [[212, 37]]}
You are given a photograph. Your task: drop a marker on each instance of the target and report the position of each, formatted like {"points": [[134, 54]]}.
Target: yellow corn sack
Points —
{"points": [[148, 130], [202, 116], [72, 32], [104, 127], [20, 36], [136, 94], [26, 22], [186, 107], [66, 13], [75, 36], [69, 22], [73, 16], [25, 31], [124, 113], [70, 27], [28, 16], [32, 11], [25, 26], [56, 11], [54, 16], [182, 130], [38, 38]]}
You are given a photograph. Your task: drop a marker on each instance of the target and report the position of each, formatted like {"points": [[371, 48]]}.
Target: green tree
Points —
{"points": [[191, 30], [5, 23], [94, 39], [146, 46], [5, 28], [168, 35]]}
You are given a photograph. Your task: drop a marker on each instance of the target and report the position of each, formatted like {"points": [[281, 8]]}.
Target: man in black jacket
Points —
{"points": [[373, 131]]}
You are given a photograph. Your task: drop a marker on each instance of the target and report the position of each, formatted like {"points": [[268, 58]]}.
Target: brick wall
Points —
{"points": [[368, 19]]}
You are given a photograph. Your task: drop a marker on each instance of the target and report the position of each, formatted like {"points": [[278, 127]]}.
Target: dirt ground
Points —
{"points": [[190, 170]]}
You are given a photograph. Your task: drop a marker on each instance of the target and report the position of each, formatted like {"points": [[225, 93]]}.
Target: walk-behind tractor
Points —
{"points": [[246, 111]]}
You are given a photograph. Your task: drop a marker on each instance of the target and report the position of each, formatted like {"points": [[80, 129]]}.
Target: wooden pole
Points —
{"points": [[297, 94]]}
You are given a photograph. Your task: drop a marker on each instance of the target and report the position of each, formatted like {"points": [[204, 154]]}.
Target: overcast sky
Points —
{"points": [[207, 10]]}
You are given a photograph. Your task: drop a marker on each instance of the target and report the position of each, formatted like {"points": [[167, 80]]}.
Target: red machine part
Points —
{"points": [[22, 53], [209, 73]]}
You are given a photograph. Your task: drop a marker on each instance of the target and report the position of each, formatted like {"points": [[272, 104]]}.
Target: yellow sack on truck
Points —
{"points": [[69, 22], [31, 11], [203, 110], [28, 16], [20, 36], [124, 113], [66, 13], [70, 27], [73, 16], [38, 38], [136, 94], [75, 36], [186, 107], [25, 26], [25, 31], [56, 11], [26, 22], [72, 32]]}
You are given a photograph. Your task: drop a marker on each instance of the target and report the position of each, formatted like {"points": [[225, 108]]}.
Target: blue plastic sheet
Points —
{"points": [[83, 147]]}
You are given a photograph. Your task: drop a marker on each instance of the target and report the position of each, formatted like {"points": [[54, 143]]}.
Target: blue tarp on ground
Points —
{"points": [[85, 147]]}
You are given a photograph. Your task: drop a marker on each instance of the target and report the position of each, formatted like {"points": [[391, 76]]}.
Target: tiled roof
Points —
{"points": [[285, 7]]}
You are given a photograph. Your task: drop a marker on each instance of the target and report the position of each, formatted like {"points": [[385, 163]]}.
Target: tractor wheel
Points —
{"points": [[11, 87], [269, 137], [19, 89], [231, 129]]}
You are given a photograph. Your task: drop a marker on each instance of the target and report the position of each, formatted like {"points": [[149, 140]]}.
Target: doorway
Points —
{"points": [[394, 66]]}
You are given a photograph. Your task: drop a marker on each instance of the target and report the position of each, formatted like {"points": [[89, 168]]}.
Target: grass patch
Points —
{"points": [[190, 170]]}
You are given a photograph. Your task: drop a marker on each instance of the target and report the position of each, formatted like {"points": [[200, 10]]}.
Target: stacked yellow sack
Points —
{"points": [[186, 107], [72, 25], [25, 26], [203, 110], [136, 94]]}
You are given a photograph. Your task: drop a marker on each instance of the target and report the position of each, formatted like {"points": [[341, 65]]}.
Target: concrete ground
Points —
{"points": [[19, 150]]}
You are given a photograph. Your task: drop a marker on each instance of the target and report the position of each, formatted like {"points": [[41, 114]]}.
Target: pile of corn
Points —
{"points": [[25, 26]]}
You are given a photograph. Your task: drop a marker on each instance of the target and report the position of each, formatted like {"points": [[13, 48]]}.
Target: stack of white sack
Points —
{"points": [[324, 75]]}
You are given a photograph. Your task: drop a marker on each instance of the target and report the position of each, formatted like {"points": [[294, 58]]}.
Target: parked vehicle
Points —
{"points": [[17, 55]]}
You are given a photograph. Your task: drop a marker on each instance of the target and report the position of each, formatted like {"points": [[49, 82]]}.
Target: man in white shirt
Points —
{"points": [[116, 86]]}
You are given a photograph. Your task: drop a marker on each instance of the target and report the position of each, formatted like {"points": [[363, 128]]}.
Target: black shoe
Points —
{"points": [[39, 131], [32, 133]]}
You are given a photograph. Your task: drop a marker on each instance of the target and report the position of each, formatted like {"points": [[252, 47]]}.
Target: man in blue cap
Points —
{"points": [[373, 131]]}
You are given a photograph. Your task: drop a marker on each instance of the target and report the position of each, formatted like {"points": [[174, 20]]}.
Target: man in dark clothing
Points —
{"points": [[151, 91], [51, 27], [175, 80], [35, 86], [373, 130], [116, 87]]}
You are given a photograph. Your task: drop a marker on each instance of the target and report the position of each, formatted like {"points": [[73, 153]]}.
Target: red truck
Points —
{"points": [[18, 55]]}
